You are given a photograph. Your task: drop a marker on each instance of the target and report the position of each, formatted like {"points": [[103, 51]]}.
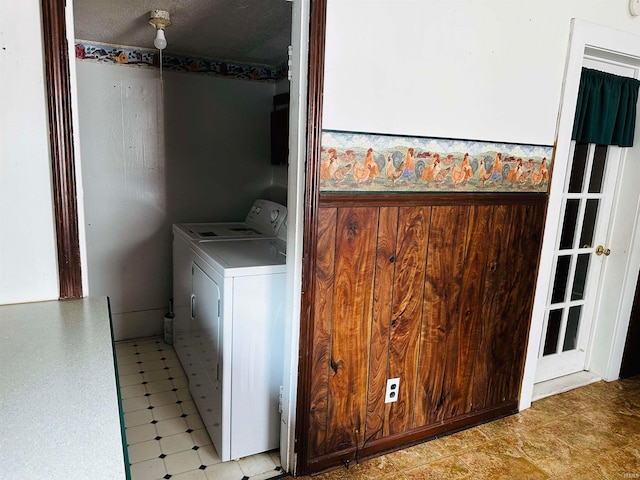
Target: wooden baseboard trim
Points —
{"points": [[395, 442]]}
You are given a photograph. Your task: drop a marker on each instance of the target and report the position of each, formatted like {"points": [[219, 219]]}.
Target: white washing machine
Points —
{"points": [[264, 220], [228, 334]]}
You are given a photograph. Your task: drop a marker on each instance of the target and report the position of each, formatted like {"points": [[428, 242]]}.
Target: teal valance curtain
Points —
{"points": [[606, 110]]}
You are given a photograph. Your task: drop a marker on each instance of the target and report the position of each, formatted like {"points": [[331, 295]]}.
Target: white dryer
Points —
{"points": [[228, 333]]}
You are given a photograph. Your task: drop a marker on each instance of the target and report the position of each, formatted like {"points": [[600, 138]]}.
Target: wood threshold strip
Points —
{"points": [[58, 87]]}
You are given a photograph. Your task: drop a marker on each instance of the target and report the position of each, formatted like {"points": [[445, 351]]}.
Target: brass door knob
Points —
{"points": [[600, 250]]}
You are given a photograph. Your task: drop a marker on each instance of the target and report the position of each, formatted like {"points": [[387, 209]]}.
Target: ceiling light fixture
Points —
{"points": [[160, 20]]}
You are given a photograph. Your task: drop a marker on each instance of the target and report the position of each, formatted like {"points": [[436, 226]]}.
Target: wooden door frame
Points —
{"points": [[58, 86], [317, 35]]}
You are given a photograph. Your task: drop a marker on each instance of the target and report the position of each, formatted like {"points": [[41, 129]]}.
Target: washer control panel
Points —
{"points": [[266, 216]]}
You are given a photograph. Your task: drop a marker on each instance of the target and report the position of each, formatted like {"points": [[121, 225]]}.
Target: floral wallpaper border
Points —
{"points": [[143, 57], [366, 163]]}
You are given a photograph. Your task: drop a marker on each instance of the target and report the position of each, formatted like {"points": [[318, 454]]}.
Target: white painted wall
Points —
{"points": [[123, 176], [471, 69], [28, 264], [194, 150]]}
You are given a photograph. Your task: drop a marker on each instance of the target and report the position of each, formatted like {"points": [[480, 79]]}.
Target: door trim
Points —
{"points": [[586, 40], [301, 68], [317, 35], [58, 86]]}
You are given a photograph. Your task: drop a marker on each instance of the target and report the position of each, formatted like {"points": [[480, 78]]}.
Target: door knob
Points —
{"points": [[600, 250]]}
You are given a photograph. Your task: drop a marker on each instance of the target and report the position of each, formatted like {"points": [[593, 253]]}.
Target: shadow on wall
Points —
{"points": [[143, 284], [275, 194], [217, 145], [277, 191]]}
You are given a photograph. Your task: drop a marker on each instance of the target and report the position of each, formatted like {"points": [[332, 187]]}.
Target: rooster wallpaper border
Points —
{"points": [[380, 163]]}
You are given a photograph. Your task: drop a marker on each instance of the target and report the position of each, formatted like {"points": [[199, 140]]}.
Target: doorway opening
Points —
{"points": [[590, 253], [299, 65]]}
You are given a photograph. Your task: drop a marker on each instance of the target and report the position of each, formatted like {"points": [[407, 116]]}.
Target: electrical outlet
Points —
{"points": [[393, 388]]}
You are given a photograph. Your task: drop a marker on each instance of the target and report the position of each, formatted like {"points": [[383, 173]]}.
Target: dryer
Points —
{"points": [[228, 334]]}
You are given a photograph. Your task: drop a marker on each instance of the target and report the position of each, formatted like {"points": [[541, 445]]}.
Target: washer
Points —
{"points": [[228, 334], [264, 220]]}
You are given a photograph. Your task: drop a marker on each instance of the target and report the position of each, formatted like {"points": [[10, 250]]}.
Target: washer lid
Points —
{"points": [[206, 232]]}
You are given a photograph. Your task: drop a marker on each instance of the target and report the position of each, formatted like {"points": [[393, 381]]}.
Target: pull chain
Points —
{"points": [[161, 79]]}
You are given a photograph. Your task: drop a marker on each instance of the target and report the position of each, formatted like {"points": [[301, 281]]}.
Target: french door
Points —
{"points": [[581, 250]]}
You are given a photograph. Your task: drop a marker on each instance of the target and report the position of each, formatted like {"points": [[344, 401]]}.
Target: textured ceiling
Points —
{"points": [[244, 31]]}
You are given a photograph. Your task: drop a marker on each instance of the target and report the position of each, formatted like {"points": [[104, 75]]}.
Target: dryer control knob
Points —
{"points": [[274, 215]]}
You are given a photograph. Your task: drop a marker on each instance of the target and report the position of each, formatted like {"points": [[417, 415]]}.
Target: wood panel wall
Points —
{"points": [[437, 294]]}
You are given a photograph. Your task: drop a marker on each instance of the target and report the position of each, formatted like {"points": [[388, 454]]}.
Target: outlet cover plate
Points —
{"points": [[393, 389]]}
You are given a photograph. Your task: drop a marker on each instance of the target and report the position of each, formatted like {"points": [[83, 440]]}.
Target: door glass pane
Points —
{"points": [[569, 224], [560, 281], [553, 332], [597, 170], [589, 222], [578, 168], [580, 278], [571, 333]]}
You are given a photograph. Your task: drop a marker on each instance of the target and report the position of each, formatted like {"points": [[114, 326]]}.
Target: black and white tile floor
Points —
{"points": [[165, 434]]}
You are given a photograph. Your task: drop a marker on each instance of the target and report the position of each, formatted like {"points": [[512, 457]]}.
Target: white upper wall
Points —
{"points": [[28, 264], [469, 69]]}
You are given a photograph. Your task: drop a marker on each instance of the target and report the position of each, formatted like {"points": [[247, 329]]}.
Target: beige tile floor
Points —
{"points": [[589, 433]]}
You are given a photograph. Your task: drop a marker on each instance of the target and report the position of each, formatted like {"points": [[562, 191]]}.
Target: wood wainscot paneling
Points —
{"points": [[434, 289]]}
